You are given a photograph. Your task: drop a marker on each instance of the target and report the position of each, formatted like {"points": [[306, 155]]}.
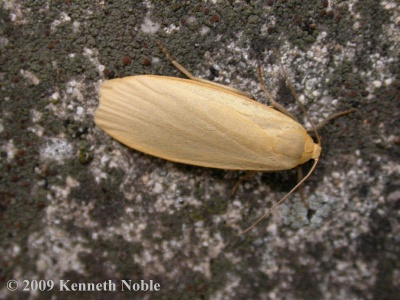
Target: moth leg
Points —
{"points": [[301, 190], [288, 82], [274, 104], [294, 94], [240, 180], [175, 63], [191, 77], [334, 116], [292, 90]]}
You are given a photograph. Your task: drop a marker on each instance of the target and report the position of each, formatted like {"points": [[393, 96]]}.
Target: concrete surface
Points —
{"points": [[76, 205]]}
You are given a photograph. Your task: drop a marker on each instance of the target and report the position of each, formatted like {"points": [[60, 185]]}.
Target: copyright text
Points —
{"points": [[69, 286]]}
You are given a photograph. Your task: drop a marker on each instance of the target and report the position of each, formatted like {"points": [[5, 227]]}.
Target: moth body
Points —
{"points": [[200, 124]]}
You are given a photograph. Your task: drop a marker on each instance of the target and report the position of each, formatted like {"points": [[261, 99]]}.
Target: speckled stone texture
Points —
{"points": [[76, 205]]}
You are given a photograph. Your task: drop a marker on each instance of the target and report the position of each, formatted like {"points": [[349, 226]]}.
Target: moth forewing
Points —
{"points": [[199, 124], [205, 124]]}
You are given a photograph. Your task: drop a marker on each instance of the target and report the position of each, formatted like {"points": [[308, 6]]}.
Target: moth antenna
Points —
{"points": [[280, 108], [283, 199]]}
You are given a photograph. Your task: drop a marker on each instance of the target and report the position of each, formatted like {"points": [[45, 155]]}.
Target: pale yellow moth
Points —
{"points": [[197, 122]]}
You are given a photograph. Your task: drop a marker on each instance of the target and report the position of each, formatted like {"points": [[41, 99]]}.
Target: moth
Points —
{"points": [[198, 122]]}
